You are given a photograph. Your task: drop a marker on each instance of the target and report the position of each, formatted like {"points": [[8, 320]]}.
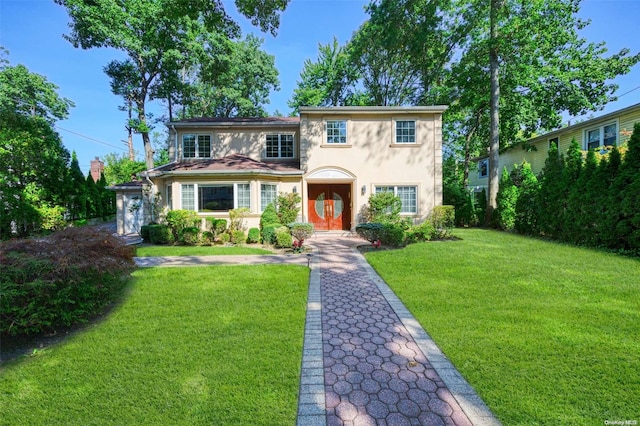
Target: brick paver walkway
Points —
{"points": [[366, 360]]}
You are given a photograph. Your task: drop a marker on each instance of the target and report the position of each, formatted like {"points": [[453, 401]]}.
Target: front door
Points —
{"points": [[330, 206]]}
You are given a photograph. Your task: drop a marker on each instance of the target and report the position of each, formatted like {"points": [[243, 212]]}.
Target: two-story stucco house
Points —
{"points": [[607, 130], [333, 157]]}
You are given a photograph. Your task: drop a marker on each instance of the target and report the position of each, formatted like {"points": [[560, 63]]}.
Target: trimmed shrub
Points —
{"points": [[216, 226], [61, 280], [283, 237], [392, 234], [269, 216], [384, 207], [160, 234], [238, 237], [224, 238], [191, 236], [236, 219], [180, 219], [269, 233], [370, 231], [254, 236], [207, 238], [422, 232], [301, 230], [144, 233], [505, 214], [442, 218]]}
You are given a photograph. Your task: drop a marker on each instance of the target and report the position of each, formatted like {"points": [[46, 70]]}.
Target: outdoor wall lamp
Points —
{"points": [[364, 189], [295, 189]]}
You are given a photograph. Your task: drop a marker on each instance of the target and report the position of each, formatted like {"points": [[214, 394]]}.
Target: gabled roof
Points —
{"points": [[232, 164], [133, 185]]}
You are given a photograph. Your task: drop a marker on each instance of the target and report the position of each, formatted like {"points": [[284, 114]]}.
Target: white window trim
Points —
{"points": [[276, 184], [280, 157], [585, 133], [196, 147], [480, 175], [325, 140], [395, 192], [395, 132], [196, 200]]}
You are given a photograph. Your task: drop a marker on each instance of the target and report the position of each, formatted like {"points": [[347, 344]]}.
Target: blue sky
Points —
{"points": [[32, 32]]}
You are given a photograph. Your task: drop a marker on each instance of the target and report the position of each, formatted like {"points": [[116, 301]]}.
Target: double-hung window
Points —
{"points": [[268, 195], [336, 131], [279, 146], [196, 146], [606, 135], [405, 131], [216, 197], [408, 196]]}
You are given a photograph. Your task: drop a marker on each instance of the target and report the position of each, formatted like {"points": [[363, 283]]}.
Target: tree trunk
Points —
{"points": [[146, 140], [494, 143]]}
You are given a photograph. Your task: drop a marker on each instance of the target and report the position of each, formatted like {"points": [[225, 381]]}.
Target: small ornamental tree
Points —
{"points": [[288, 207]]}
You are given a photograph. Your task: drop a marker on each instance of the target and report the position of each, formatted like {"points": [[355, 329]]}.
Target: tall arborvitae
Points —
{"points": [[94, 203], [526, 209], [77, 198], [579, 207], [107, 197], [630, 198], [608, 225], [570, 175], [549, 201], [505, 214]]}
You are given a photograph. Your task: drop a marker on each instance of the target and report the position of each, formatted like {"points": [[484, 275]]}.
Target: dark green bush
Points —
{"points": [[144, 233], [370, 231], [254, 236], [61, 280], [216, 226], [238, 237], [191, 236], [160, 234], [283, 237], [269, 216], [207, 238], [180, 219], [269, 233], [392, 234]]}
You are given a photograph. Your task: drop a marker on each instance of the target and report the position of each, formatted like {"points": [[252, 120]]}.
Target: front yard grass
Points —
{"points": [[546, 333], [209, 345], [153, 250]]}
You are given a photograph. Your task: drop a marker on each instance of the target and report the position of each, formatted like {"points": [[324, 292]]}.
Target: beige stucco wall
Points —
{"points": [[371, 157], [245, 140]]}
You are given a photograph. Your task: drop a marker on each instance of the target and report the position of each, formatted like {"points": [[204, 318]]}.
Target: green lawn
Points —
{"points": [[546, 333], [218, 345], [149, 250]]}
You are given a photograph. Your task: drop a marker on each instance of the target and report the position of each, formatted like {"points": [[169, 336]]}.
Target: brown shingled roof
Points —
{"points": [[240, 120], [235, 163]]}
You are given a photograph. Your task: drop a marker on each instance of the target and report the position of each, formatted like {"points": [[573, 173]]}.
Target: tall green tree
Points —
{"points": [[545, 68], [120, 169], [158, 37], [236, 82], [329, 81], [76, 190], [33, 160]]}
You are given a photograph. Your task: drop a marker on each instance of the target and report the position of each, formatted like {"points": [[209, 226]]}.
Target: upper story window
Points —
{"points": [[337, 131], [483, 168], [279, 146], [196, 146], [606, 135], [406, 131]]}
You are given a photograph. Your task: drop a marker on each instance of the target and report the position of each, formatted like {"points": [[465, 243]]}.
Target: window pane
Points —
{"points": [[610, 134], [204, 146], [215, 197], [407, 195], [405, 131], [268, 194], [593, 138], [286, 146], [337, 131], [189, 146], [272, 146], [244, 195], [483, 168], [188, 200]]}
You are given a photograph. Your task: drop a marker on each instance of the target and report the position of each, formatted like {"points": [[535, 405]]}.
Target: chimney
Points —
{"points": [[97, 167]]}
